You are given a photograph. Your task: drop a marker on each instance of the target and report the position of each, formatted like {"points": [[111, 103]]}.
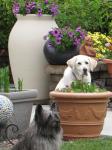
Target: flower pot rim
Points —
{"points": [[44, 16], [26, 94], [80, 95], [106, 61]]}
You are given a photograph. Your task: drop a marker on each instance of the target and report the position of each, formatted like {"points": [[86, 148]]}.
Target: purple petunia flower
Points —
{"points": [[38, 7], [70, 34], [65, 38], [54, 9], [78, 29], [30, 6], [55, 32], [82, 35], [58, 41], [59, 38], [46, 1], [28, 11], [76, 42], [51, 32], [39, 12], [15, 8]]}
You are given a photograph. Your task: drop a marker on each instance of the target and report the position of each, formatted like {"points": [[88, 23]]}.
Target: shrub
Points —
{"points": [[4, 80], [110, 28], [6, 22], [92, 15]]}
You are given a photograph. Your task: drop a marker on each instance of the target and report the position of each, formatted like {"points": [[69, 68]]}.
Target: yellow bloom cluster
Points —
{"points": [[99, 43]]}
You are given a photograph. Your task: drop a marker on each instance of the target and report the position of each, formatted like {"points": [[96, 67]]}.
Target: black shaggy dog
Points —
{"points": [[44, 133]]}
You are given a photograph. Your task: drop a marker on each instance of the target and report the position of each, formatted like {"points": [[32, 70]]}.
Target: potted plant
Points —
{"points": [[22, 99], [62, 44], [82, 109], [25, 45], [103, 46]]}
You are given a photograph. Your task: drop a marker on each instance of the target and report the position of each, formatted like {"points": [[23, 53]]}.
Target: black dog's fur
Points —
{"points": [[45, 132]]}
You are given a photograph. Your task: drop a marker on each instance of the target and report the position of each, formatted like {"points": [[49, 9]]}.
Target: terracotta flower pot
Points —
{"points": [[109, 65], [82, 114]]}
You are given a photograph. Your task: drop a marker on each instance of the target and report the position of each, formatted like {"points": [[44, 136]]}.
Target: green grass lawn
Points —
{"points": [[89, 144]]}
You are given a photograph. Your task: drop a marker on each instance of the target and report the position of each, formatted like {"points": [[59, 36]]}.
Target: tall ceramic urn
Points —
{"points": [[26, 52]]}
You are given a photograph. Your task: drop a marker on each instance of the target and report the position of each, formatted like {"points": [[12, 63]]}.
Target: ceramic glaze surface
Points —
{"points": [[26, 52]]}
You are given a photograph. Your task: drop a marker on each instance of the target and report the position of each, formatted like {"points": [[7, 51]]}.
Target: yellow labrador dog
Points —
{"points": [[79, 68]]}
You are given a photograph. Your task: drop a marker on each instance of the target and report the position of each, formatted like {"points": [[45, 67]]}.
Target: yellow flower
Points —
{"points": [[98, 55], [99, 43]]}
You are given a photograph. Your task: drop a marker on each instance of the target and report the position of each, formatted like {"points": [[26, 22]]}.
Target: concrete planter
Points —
{"points": [[23, 102], [82, 114]]}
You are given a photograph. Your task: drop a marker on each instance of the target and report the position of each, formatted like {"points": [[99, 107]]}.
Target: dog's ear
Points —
{"points": [[93, 63], [38, 111], [71, 62], [54, 106]]}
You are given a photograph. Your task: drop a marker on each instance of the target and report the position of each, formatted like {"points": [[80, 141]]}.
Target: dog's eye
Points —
{"points": [[86, 62], [79, 63]]}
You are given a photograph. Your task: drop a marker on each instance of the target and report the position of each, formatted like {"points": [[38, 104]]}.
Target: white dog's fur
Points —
{"points": [[79, 68]]}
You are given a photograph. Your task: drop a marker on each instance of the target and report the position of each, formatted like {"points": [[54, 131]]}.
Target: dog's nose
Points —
{"points": [[85, 71]]}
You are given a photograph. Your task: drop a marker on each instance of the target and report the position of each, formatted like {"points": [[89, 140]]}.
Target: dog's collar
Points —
{"points": [[74, 75]]}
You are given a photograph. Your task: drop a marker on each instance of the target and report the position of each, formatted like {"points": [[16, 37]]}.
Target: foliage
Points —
{"points": [[4, 79], [110, 28], [88, 144], [78, 86], [20, 84], [92, 15], [35, 7], [102, 44], [64, 39], [6, 22]]}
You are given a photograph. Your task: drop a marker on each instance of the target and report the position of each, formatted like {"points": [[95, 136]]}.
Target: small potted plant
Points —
{"points": [[82, 109], [103, 46], [22, 99], [62, 44]]}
